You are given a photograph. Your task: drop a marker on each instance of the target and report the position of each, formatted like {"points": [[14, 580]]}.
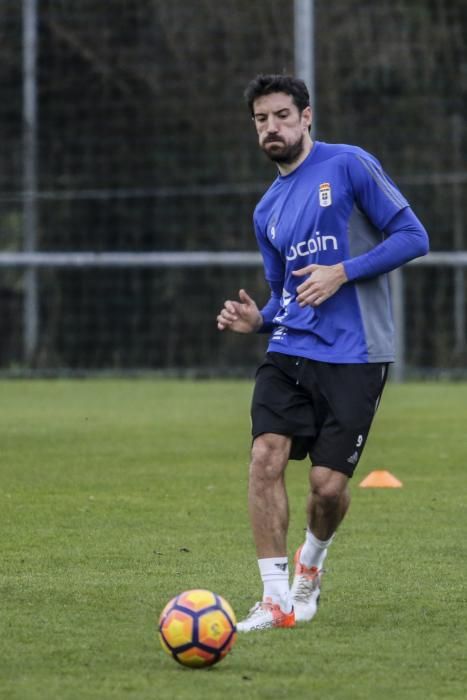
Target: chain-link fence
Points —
{"points": [[141, 142]]}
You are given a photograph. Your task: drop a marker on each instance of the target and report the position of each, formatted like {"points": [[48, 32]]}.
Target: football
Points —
{"points": [[197, 628]]}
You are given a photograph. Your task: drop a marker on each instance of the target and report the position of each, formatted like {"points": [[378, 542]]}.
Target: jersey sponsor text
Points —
{"points": [[314, 244]]}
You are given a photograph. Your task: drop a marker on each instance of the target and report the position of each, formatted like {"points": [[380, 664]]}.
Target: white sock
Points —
{"points": [[314, 551], [275, 576]]}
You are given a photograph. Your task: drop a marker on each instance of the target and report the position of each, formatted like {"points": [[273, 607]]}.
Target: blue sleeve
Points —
{"points": [[274, 274], [406, 239], [374, 192], [272, 261]]}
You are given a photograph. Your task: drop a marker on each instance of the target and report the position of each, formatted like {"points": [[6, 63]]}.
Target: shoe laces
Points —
{"points": [[306, 585], [259, 608]]}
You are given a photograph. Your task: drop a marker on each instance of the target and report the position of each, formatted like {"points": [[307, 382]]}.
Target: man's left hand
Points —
{"points": [[322, 283]]}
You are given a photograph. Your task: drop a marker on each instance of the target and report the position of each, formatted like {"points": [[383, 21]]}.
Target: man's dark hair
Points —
{"points": [[267, 84]]}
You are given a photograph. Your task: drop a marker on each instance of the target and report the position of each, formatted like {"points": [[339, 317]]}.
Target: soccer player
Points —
{"points": [[330, 228]]}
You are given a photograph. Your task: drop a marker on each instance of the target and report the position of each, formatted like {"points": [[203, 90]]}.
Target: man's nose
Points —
{"points": [[271, 125]]}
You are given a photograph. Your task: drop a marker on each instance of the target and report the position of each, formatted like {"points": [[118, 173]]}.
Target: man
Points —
{"points": [[329, 228]]}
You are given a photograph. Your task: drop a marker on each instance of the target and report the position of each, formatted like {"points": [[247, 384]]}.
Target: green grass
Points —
{"points": [[115, 495]]}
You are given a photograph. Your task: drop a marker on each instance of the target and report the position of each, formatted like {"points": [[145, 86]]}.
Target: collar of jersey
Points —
{"points": [[307, 160]]}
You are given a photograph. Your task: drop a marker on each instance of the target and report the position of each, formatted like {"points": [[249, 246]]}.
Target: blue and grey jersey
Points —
{"points": [[337, 206]]}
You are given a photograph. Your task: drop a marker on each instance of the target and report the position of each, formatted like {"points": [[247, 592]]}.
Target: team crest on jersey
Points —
{"points": [[325, 196]]}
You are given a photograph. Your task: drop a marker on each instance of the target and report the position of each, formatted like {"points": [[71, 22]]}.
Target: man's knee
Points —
{"points": [[269, 456], [328, 486]]}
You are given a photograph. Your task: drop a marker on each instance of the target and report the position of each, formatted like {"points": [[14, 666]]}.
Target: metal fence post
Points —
{"points": [[30, 309], [304, 49], [397, 289], [457, 125]]}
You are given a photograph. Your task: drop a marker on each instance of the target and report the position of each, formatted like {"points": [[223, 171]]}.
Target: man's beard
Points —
{"points": [[286, 154]]}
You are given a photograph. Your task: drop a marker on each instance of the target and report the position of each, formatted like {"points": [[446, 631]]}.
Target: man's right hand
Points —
{"points": [[240, 316]]}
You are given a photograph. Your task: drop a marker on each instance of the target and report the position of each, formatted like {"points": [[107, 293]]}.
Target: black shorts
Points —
{"points": [[327, 409]]}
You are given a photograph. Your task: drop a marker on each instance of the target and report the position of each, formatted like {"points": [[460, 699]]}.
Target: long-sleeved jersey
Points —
{"points": [[336, 206]]}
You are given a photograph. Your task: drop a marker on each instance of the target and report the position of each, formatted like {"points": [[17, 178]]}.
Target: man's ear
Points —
{"points": [[307, 115]]}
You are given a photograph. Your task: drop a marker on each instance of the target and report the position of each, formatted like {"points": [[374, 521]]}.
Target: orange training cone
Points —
{"points": [[380, 479]]}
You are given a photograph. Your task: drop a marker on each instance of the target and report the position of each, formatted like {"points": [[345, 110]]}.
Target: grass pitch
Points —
{"points": [[116, 495]]}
